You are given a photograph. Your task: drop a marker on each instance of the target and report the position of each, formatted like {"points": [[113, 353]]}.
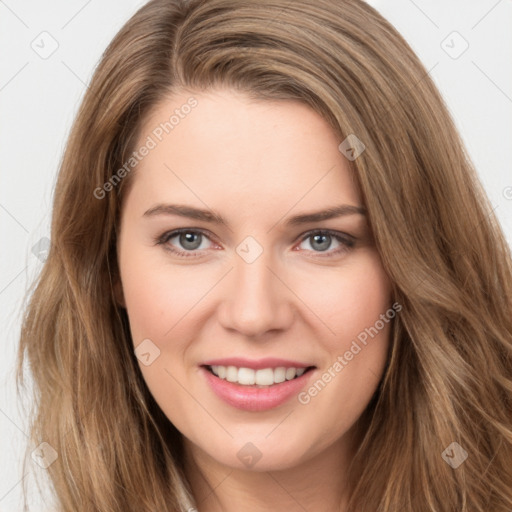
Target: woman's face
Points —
{"points": [[258, 294]]}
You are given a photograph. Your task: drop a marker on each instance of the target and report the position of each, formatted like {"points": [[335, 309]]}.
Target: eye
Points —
{"points": [[321, 241], [191, 240]]}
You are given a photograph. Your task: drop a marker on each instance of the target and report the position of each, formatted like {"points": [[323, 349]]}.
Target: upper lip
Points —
{"points": [[256, 364]]}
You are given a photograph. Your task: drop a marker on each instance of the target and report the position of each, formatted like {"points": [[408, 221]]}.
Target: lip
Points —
{"points": [[256, 399], [259, 364]]}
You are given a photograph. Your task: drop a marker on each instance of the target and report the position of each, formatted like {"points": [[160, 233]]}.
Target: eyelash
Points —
{"points": [[347, 242]]}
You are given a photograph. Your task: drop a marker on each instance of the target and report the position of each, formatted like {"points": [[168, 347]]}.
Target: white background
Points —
{"points": [[39, 99]]}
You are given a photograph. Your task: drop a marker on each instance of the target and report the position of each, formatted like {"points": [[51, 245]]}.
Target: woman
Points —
{"points": [[256, 369]]}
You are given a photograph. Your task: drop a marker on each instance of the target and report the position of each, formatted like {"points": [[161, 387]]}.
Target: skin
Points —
{"points": [[256, 163]]}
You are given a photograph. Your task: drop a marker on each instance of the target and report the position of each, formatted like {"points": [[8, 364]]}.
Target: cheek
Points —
{"points": [[354, 306], [357, 310], [157, 300], [144, 303], [367, 296], [348, 299], [156, 296]]}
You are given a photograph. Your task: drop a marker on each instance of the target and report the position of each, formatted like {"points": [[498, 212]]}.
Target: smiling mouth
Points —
{"points": [[262, 378]]}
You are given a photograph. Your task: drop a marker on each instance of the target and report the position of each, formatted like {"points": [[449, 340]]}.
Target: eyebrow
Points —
{"points": [[215, 218]]}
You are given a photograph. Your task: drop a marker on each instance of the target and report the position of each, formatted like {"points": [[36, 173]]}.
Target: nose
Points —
{"points": [[256, 298]]}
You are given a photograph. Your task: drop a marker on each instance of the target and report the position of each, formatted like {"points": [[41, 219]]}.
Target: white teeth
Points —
{"points": [[290, 373], [231, 374], [246, 376], [279, 374], [262, 377]]}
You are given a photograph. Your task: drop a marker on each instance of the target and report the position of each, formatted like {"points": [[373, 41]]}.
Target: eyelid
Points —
{"points": [[326, 231]]}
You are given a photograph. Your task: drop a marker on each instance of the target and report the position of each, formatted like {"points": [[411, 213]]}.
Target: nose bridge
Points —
{"points": [[256, 301]]}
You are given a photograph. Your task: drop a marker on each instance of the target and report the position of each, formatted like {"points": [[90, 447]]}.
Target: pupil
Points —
{"points": [[325, 245], [186, 240]]}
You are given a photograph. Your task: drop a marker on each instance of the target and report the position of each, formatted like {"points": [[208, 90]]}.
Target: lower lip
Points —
{"points": [[255, 399]]}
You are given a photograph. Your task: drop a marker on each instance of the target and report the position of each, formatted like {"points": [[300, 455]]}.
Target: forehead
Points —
{"points": [[228, 147]]}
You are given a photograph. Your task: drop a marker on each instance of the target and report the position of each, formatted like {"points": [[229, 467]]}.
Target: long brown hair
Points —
{"points": [[449, 377]]}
